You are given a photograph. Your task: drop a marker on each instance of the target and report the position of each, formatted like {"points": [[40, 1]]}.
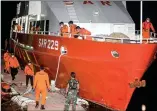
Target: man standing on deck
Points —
{"points": [[72, 27], [71, 91], [147, 25], [6, 58], [14, 65], [29, 72], [41, 84], [63, 29]]}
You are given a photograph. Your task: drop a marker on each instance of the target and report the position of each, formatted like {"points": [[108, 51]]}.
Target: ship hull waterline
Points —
{"points": [[103, 78]]}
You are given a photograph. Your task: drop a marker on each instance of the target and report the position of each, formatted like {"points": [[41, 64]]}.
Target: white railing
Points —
{"points": [[104, 38]]}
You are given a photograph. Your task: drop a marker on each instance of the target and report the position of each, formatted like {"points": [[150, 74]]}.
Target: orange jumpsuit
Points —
{"points": [[146, 29], [6, 60], [41, 84], [84, 31], [73, 30], [64, 30], [13, 62]]}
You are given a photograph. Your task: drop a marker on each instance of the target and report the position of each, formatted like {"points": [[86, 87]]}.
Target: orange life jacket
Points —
{"points": [[6, 56], [64, 30], [18, 28], [84, 31], [29, 70], [147, 26], [73, 29], [13, 62]]}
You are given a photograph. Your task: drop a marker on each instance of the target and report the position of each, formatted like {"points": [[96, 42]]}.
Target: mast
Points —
{"points": [[141, 13]]}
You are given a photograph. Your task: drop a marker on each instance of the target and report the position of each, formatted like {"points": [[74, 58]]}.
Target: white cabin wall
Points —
{"points": [[53, 21], [34, 7]]}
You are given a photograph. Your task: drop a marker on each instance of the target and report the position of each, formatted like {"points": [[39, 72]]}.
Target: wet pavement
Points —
{"points": [[55, 100]]}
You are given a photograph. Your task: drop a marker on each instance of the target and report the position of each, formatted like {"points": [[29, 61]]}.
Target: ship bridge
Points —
{"points": [[99, 17]]}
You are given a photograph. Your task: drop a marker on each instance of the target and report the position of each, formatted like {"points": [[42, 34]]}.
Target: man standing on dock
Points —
{"points": [[6, 60], [41, 84], [14, 65], [71, 91], [29, 72]]}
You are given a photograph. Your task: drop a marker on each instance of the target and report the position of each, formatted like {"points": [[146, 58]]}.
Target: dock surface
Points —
{"points": [[55, 100]]}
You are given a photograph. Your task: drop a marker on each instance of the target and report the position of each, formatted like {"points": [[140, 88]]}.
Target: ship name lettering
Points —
{"points": [[49, 44]]}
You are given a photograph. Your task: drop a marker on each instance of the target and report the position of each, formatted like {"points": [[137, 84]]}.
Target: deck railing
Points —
{"points": [[105, 38]]}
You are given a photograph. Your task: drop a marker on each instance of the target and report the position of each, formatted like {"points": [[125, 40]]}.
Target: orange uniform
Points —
{"points": [[84, 31], [6, 60], [64, 30], [29, 70], [41, 84], [146, 29], [13, 62], [72, 29], [18, 28]]}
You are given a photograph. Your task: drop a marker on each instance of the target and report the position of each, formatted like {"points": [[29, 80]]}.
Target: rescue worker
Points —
{"points": [[147, 25], [41, 84], [72, 27], [71, 91], [14, 65], [37, 29], [29, 72], [18, 27], [81, 32], [63, 29], [6, 58]]}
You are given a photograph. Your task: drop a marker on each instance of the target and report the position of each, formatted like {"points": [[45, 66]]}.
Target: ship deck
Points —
{"points": [[55, 100]]}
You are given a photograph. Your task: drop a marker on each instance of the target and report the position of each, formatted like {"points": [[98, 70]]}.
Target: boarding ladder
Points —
{"points": [[72, 13]]}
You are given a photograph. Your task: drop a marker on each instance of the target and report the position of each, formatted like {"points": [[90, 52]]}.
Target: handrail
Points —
{"points": [[103, 38]]}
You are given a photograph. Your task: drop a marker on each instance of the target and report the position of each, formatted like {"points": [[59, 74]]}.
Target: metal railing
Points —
{"points": [[104, 38]]}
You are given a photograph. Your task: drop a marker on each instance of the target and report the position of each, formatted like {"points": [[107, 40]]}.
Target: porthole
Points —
{"points": [[115, 54]]}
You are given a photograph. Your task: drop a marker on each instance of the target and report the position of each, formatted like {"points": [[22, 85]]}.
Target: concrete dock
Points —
{"points": [[55, 100]]}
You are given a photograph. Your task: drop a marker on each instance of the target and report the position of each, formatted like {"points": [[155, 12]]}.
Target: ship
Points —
{"points": [[104, 68]]}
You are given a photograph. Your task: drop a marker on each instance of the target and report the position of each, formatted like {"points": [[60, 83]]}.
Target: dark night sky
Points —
{"points": [[8, 9]]}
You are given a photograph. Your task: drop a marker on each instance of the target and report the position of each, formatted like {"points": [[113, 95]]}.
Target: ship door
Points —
{"points": [[119, 28]]}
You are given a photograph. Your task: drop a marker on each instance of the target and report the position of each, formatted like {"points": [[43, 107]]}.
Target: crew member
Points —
{"points": [[81, 32], [41, 84], [6, 58], [14, 65], [72, 27], [29, 72], [63, 29], [37, 29], [17, 27], [71, 91], [147, 25]]}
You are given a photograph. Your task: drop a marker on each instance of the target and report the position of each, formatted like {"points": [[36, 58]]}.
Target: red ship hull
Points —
{"points": [[103, 78]]}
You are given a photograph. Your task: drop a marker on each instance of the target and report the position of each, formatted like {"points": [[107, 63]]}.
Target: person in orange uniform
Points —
{"points": [[72, 28], [147, 25], [81, 32], [18, 27], [14, 65], [6, 58], [63, 29], [29, 72], [41, 84]]}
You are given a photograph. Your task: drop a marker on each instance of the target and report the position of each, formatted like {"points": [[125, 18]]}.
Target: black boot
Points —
{"points": [[4, 71], [42, 107], [37, 104]]}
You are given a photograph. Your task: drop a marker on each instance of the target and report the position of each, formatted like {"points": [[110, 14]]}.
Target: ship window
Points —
{"points": [[115, 54], [42, 25], [47, 27]]}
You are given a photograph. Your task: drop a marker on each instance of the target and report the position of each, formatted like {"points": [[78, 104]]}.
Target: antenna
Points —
{"points": [[141, 10]]}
